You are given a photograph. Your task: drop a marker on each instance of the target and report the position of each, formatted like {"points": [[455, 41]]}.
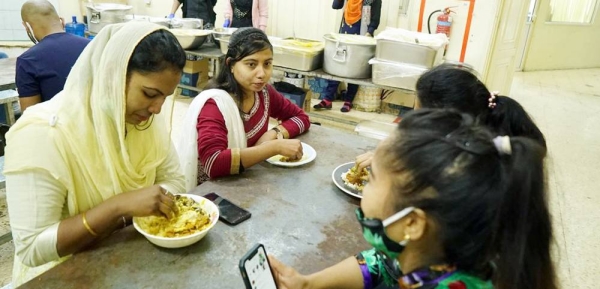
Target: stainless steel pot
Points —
{"points": [[221, 32], [348, 55], [102, 14]]}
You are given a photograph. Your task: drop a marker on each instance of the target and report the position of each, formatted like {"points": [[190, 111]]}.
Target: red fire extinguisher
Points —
{"points": [[444, 22]]}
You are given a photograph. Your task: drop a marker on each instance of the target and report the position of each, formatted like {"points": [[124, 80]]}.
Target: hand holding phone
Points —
{"points": [[228, 212], [256, 270]]}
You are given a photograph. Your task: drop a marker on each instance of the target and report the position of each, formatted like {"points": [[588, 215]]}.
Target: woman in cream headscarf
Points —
{"points": [[81, 165]]}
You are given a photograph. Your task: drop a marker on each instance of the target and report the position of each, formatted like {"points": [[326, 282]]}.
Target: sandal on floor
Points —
{"points": [[324, 104], [346, 107]]}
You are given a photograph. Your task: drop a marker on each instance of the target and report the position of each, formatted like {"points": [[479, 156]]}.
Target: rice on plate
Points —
{"points": [[356, 179]]}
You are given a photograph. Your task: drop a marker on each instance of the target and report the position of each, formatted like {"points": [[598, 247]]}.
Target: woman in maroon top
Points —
{"points": [[232, 116]]}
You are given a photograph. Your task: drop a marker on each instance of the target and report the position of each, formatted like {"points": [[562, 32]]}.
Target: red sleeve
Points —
{"points": [[292, 118], [212, 142]]}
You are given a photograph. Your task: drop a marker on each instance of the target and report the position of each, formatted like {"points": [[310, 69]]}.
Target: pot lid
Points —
{"points": [[350, 39]]}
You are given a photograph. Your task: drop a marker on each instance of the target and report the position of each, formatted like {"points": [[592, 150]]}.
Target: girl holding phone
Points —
{"points": [[473, 216]]}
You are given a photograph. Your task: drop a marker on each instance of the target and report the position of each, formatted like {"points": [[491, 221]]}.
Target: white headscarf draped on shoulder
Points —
{"points": [[80, 136]]}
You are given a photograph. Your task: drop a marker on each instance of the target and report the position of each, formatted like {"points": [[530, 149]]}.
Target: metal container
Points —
{"points": [[222, 32], [187, 23], [394, 74], [299, 54], [348, 55], [410, 53], [191, 39], [102, 14]]}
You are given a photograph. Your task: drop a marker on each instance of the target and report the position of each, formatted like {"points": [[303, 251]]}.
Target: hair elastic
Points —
{"points": [[502, 144], [492, 100]]}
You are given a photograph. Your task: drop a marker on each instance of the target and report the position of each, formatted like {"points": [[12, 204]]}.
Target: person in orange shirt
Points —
{"points": [[361, 17]]}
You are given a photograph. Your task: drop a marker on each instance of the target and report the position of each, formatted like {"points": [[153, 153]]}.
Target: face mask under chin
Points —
{"points": [[374, 232]]}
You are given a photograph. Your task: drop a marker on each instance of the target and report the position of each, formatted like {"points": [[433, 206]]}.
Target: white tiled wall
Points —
{"points": [[10, 19]]}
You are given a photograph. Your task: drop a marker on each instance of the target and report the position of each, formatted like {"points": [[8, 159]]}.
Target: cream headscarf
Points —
{"points": [[85, 125]]}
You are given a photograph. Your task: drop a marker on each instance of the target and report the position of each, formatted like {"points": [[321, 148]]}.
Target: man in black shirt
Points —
{"points": [[202, 9]]}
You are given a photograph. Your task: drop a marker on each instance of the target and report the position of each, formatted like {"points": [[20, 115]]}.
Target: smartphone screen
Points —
{"points": [[256, 270], [228, 212]]}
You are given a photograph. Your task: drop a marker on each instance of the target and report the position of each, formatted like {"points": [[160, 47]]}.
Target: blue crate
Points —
{"points": [[189, 79], [297, 99]]}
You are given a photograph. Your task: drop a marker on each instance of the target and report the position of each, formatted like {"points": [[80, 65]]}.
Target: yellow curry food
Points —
{"points": [[189, 219], [288, 160], [355, 178]]}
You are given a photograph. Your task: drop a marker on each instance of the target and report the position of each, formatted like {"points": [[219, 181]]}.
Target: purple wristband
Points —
{"points": [[366, 276]]}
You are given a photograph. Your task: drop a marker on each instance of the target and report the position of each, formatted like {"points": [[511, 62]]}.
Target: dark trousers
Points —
{"points": [[332, 87]]}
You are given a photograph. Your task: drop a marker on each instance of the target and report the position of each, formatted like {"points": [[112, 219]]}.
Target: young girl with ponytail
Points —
{"points": [[450, 205]]}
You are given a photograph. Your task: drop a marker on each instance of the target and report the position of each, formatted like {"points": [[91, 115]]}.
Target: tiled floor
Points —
{"points": [[566, 106]]}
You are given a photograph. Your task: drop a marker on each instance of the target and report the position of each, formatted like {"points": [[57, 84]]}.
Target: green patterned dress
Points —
{"points": [[377, 269]]}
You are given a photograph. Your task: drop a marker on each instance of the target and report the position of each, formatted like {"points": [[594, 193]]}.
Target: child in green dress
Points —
{"points": [[449, 205]]}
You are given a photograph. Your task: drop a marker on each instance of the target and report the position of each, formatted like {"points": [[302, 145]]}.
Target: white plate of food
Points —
{"points": [[346, 179], [308, 155], [196, 216]]}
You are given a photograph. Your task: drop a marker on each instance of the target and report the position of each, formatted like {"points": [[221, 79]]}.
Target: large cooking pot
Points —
{"points": [[102, 14], [348, 55]]}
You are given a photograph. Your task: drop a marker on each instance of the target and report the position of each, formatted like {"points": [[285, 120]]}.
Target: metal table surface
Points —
{"points": [[322, 74], [297, 213], [209, 50], [7, 73]]}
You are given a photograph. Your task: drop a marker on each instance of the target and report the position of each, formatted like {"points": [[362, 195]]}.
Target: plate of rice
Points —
{"points": [[308, 155], [349, 180]]}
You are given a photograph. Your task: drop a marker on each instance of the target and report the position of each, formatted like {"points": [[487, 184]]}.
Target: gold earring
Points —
{"points": [[406, 237]]}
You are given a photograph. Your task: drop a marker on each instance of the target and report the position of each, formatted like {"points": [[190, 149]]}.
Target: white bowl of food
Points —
{"points": [[196, 216]]}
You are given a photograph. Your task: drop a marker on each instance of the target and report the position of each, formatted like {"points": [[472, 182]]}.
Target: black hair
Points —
{"points": [[490, 207], [156, 52], [243, 42], [457, 87]]}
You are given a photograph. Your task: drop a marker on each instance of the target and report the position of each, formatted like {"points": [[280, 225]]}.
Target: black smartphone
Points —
{"points": [[256, 270], [228, 212]]}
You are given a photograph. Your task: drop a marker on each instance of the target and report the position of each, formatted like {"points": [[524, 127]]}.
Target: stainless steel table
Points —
{"points": [[209, 50], [7, 81], [358, 81], [297, 213], [7, 73]]}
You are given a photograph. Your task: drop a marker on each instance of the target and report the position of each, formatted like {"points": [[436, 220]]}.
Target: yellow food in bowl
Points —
{"points": [[189, 219]]}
